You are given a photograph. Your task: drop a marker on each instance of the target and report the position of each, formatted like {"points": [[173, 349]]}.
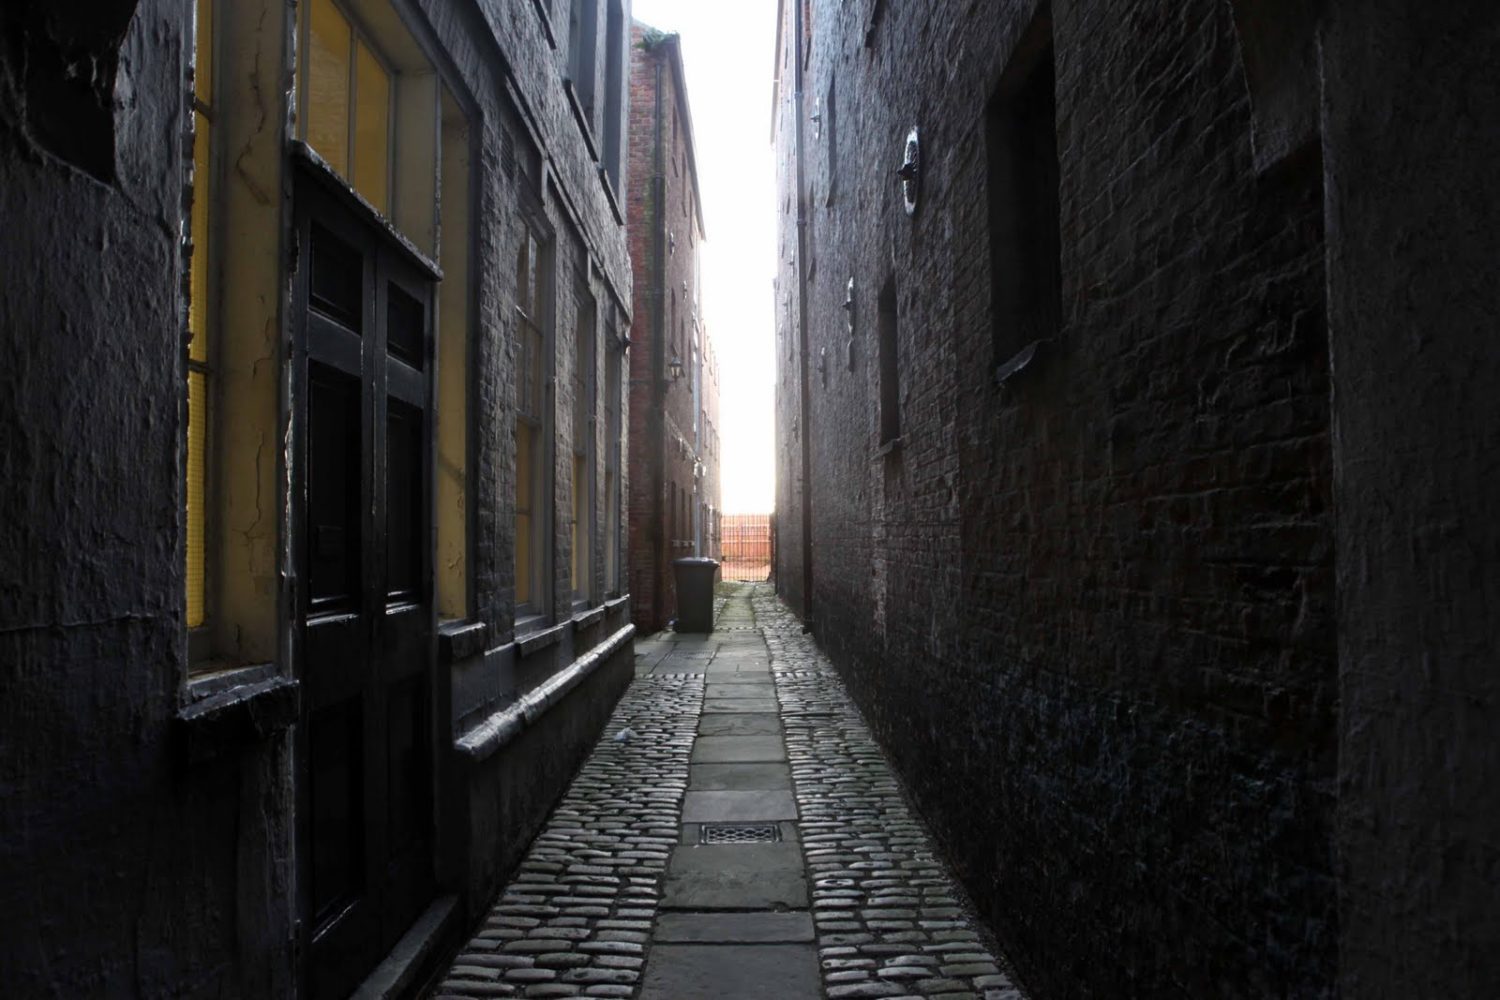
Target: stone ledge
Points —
{"points": [[237, 715], [401, 969], [587, 619], [459, 640], [481, 742], [542, 638]]}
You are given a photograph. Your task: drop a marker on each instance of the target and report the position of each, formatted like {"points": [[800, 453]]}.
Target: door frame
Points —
{"points": [[313, 180]]}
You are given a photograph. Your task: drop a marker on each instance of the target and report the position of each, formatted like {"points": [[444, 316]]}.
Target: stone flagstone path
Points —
{"points": [[744, 732]]}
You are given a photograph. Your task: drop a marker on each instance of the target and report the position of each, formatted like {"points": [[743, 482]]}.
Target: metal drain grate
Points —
{"points": [[739, 833]]}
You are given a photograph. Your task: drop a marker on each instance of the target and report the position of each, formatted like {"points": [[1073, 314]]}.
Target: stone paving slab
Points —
{"points": [[754, 724], [730, 972], [734, 928], [738, 749], [759, 805], [739, 706], [759, 670], [739, 686], [738, 777], [736, 877]]}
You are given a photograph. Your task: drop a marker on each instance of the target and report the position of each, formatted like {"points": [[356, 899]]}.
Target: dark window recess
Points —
{"points": [[333, 490], [406, 326], [335, 735], [61, 71], [583, 25], [403, 504], [890, 376], [1025, 246], [337, 278], [614, 86]]}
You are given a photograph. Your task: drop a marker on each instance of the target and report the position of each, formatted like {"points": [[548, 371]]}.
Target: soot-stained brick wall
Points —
{"points": [[1090, 612], [129, 864]]}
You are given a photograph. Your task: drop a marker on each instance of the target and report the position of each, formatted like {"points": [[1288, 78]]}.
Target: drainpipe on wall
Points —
{"points": [[803, 382]]}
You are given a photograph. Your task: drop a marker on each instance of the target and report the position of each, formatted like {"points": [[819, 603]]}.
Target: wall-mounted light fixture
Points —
{"points": [[911, 171], [674, 367]]}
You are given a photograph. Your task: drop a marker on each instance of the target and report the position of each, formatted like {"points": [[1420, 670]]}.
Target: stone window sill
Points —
{"points": [[587, 617], [538, 639], [580, 115], [459, 639], [610, 196], [229, 708]]}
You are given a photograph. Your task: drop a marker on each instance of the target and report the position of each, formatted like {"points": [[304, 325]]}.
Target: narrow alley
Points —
{"points": [[689, 500], [735, 834]]}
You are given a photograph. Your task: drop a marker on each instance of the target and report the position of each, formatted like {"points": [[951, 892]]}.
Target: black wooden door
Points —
{"points": [[362, 393]]}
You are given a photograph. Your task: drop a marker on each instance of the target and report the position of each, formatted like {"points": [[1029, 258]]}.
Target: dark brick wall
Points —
{"points": [[1414, 231], [1090, 613], [663, 446]]}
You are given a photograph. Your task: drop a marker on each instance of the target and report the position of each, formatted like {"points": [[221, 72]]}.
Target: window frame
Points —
{"points": [[455, 102], [536, 611], [359, 35], [585, 416], [200, 271], [581, 68], [614, 397]]}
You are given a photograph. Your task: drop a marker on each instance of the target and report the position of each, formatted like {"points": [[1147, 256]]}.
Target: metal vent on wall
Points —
{"points": [[739, 833]]}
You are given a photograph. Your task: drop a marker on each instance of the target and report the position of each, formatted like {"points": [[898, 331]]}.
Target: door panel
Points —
{"points": [[362, 476], [333, 494], [404, 517], [335, 735]]}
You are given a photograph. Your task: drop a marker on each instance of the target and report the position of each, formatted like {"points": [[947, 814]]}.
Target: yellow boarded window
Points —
{"points": [[327, 71], [198, 326], [372, 128], [345, 99]]}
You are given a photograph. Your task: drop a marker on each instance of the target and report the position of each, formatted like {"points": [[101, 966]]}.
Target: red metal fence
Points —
{"points": [[745, 544]]}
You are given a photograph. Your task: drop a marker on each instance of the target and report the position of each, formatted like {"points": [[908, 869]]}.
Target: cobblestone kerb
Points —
{"points": [[577, 918], [889, 920]]}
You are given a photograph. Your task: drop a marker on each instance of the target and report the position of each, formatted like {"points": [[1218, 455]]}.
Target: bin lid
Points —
{"points": [[695, 561]]}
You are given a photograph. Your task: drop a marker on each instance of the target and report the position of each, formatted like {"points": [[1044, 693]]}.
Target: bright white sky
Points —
{"points": [[727, 50]]}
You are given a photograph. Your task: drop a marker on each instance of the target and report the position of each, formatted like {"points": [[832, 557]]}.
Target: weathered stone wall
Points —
{"points": [[1090, 612], [128, 862]]}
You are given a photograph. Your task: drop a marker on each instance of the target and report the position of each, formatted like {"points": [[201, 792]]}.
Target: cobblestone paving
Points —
{"points": [[580, 917], [888, 919], [577, 918]]}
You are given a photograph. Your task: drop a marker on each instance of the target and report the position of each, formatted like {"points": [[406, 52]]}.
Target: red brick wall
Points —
{"points": [[663, 448]]}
